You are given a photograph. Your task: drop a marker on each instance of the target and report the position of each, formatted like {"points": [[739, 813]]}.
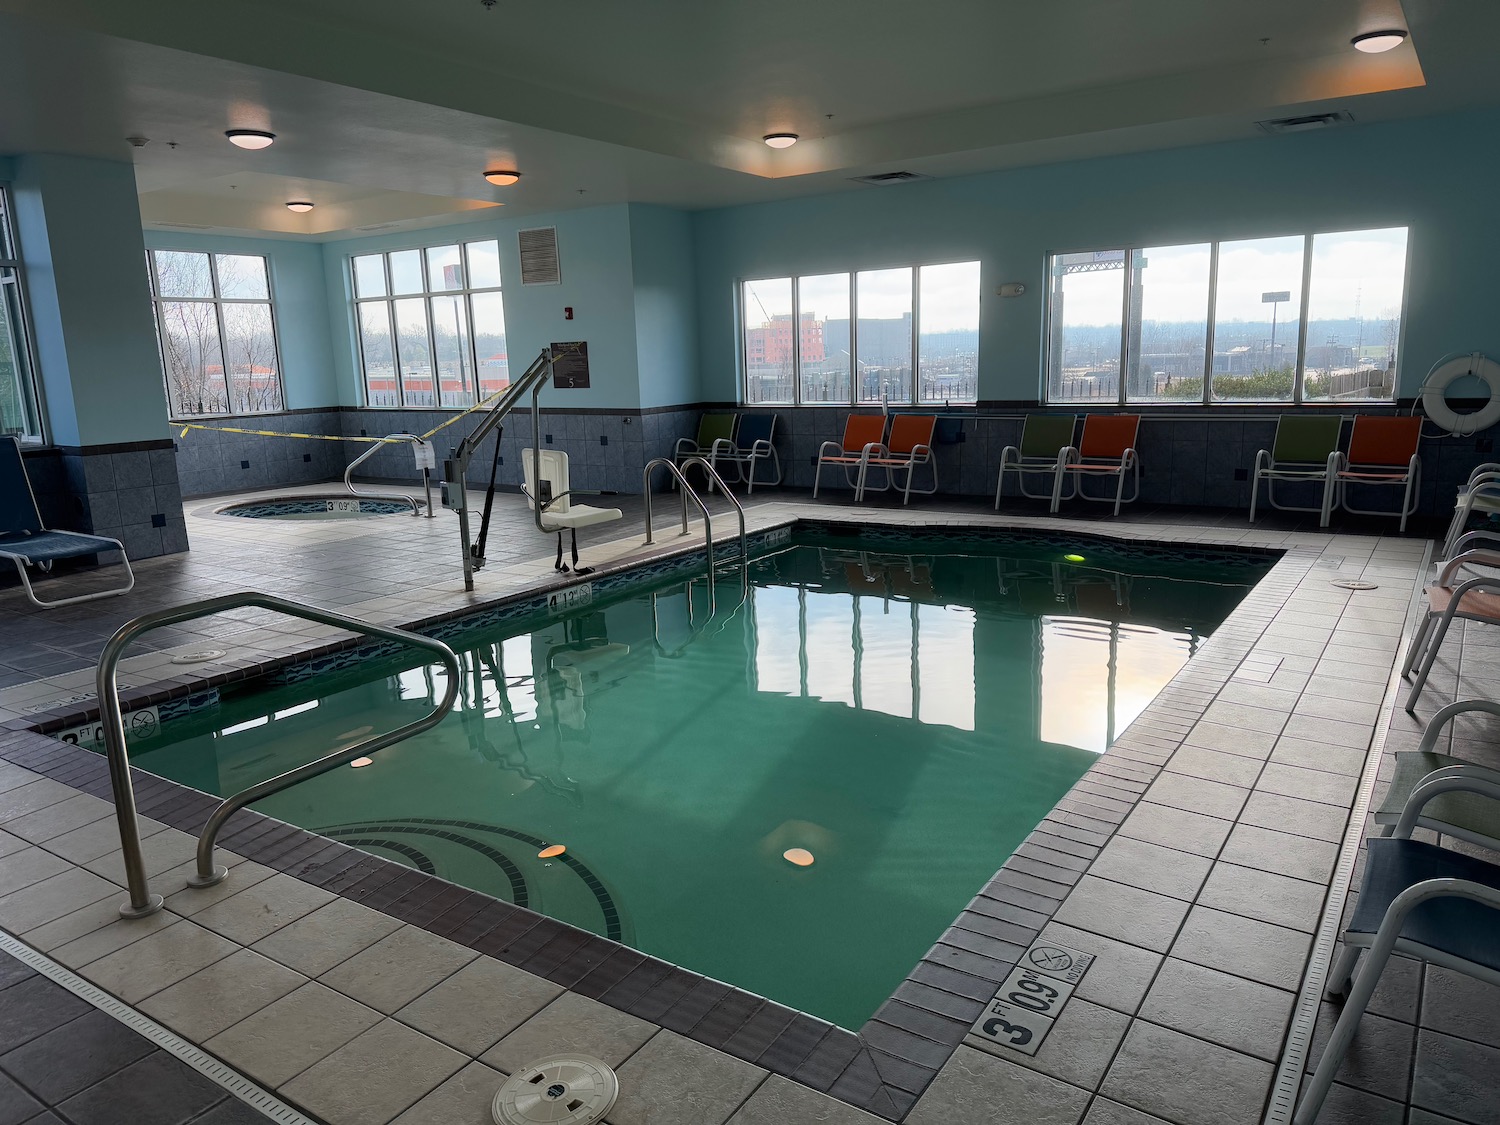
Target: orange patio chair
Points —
{"points": [[862, 434], [1382, 451], [909, 445], [1107, 449]]}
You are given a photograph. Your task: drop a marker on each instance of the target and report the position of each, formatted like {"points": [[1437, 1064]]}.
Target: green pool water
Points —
{"points": [[905, 716]]}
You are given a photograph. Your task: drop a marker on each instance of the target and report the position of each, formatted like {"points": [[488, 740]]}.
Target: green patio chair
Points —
{"points": [[1306, 450], [1045, 441]]}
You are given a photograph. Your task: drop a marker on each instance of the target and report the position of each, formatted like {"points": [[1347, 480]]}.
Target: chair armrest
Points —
{"points": [[1067, 455], [874, 449], [1130, 457], [761, 447], [1453, 779], [1446, 715], [1467, 558], [1010, 454], [1489, 470], [925, 450], [838, 448], [729, 447], [692, 446], [1337, 463], [1479, 536]]}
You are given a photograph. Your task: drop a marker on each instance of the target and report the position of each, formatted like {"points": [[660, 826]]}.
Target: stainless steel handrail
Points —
{"points": [[416, 506], [689, 491], [713, 475], [142, 901]]}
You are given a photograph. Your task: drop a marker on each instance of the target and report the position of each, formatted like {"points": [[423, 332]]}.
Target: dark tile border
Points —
{"points": [[886, 1065]]}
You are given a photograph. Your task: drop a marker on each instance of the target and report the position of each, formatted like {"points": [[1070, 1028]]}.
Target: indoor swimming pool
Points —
{"points": [[793, 786]]}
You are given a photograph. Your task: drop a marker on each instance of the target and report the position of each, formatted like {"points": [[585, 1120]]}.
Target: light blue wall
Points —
{"points": [[1435, 175], [594, 246], [301, 308], [79, 227], [666, 304]]}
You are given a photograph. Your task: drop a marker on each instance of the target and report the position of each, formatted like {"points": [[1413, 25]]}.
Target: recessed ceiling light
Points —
{"points": [[299, 206], [1374, 42], [502, 177], [360, 763], [250, 138], [780, 140]]}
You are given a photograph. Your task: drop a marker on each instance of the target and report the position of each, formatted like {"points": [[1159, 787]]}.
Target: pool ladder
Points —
{"points": [[142, 902], [397, 497], [688, 492]]}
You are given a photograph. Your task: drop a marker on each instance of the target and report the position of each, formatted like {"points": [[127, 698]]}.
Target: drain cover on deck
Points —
{"points": [[203, 655], [561, 1090], [1354, 584]]}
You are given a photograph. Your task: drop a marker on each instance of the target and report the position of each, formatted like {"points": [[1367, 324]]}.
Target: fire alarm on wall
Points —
{"points": [[568, 312]]}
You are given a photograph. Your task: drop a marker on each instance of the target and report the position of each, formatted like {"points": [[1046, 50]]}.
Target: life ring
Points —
{"points": [[1435, 400]]}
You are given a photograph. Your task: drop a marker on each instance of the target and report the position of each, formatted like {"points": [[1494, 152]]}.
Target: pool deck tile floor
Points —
{"points": [[1193, 862]]}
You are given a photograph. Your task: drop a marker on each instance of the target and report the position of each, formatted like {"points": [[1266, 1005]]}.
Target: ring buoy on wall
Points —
{"points": [[1435, 400]]}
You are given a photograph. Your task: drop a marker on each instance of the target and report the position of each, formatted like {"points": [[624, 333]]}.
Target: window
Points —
{"points": [[431, 325], [217, 334], [18, 403], [1301, 318], [905, 335]]}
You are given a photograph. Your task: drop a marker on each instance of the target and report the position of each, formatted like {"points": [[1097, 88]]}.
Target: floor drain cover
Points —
{"points": [[201, 656], [561, 1090], [1354, 584]]}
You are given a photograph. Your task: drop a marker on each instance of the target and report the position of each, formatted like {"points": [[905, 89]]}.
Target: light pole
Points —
{"points": [[1274, 299]]}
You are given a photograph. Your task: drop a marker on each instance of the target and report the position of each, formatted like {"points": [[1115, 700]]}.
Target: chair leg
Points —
{"points": [[999, 487], [1456, 525], [1342, 974], [1317, 1087], [1120, 490], [1254, 494], [817, 477], [1416, 646], [1057, 483], [1429, 658]]}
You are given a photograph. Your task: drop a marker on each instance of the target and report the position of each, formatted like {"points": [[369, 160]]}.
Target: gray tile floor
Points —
{"points": [[62, 1060]]}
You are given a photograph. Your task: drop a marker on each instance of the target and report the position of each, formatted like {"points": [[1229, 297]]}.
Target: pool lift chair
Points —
{"points": [[547, 493], [545, 470], [26, 541]]}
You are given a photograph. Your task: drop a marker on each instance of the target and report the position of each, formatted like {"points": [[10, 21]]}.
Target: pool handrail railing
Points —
{"points": [[142, 902]]}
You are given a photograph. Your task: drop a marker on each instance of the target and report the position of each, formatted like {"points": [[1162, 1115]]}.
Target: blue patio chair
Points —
{"points": [[25, 540], [1418, 900], [753, 441]]}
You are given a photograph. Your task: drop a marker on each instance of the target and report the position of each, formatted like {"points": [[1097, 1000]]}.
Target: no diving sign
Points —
{"points": [[1028, 1003]]}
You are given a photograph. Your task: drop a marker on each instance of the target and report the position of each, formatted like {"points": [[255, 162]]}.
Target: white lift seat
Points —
{"points": [[559, 513]]}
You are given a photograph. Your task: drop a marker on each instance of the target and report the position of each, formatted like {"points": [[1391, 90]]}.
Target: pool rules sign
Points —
{"points": [[1028, 1003]]}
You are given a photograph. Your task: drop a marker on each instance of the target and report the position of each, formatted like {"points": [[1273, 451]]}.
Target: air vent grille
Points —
{"points": [[1306, 123], [891, 178], [184, 226], [539, 264]]}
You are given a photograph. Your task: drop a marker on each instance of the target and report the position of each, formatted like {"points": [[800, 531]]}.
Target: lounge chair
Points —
{"points": [[1043, 439], [1480, 494], [863, 434], [1461, 815], [559, 513], [1382, 451], [712, 429], [1306, 449], [1477, 599], [26, 541], [753, 442], [908, 447], [1107, 449], [1417, 900]]}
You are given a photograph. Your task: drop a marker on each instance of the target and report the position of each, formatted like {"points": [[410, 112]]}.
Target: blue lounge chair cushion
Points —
{"points": [[49, 545], [1459, 927]]}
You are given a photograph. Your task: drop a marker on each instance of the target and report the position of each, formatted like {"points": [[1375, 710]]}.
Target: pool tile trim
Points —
{"points": [[891, 1061]]}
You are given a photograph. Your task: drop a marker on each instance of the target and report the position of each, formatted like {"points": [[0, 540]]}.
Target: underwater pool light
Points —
{"points": [[359, 762], [1072, 558], [798, 857], [551, 851]]}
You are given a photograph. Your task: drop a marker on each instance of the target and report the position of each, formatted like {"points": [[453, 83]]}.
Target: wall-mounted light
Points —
{"points": [[250, 138], [502, 177], [780, 140], [299, 206], [1374, 42]]}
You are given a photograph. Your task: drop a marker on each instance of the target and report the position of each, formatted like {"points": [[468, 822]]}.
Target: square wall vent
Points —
{"points": [[539, 262], [1305, 124], [890, 178]]}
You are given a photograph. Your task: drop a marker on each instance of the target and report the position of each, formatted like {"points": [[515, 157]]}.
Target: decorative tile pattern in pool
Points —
{"points": [[315, 508], [794, 786]]}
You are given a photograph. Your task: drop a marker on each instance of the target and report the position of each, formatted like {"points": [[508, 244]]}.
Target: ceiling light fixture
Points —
{"points": [[299, 206], [780, 140], [250, 138], [1374, 42], [502, 177]]}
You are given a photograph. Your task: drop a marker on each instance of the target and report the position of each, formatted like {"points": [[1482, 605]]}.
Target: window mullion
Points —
{"points": [[1128, 265], [796, 340], [1213, 314], [916, 333], [1297, 371], [853, 339]]}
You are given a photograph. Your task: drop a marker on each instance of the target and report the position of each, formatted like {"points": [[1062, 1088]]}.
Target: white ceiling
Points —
{"points": [[388, 111]]}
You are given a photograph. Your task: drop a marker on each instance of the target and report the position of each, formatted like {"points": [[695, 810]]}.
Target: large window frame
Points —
{"points": [[1130, 260], [20, 399], [469, 360], [218, 302], [798, 333]]}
